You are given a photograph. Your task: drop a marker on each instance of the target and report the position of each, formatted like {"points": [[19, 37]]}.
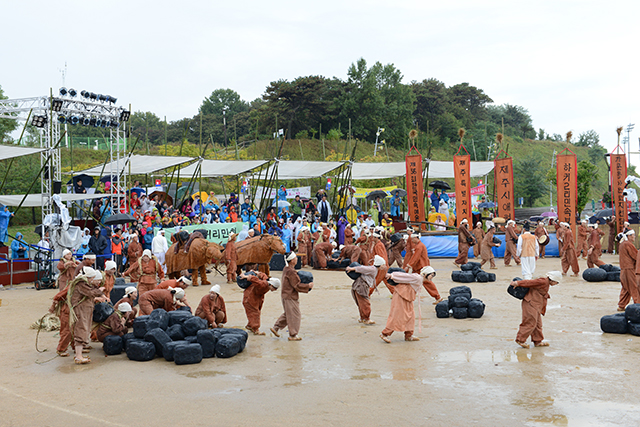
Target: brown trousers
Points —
{"points": [[491, 260], [593, 260], [65, 332], [531, 325], [232, 266], [510, 251], [291, 317], [145, 287], [363, 304], [387, 332], [82, 327], [396, 257], [463, 253], [569, 259], [581, 247], [253, 312], [629, 290]]}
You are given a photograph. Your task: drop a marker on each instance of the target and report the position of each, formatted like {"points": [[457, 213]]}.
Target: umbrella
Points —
{"points": [[180, 192], [549, 214], [605, 213], [376, 193], [536, 218], [121, 218], [204, 196], [162, 197], [351, 188], [434, 216], [38, 230], [486, 205], [401, 192], [87, 181], [440, 185], [138, 191], [283, 204], [108, 178]]}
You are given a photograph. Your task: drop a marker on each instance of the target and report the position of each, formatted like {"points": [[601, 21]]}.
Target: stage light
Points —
{"points": [[85, 121], [62, 118], [102, 98], [114, 124], [72, 92], [74, 120], [93, 96], [124, 116], [111, 99], [56, 105], [107, 124], [39, 121], [101, 123], [63, 91], [92, 121]]}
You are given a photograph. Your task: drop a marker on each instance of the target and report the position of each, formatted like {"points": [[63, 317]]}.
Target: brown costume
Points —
{"points": [[395, 253], [171, 283], [401, 313], [559, 233], [212, 310], [486, 252], [628, 270], [511, 241], [419, 257], [380, 250], [146, 273], [302, 247], [291, 287], [348, 236], [321, 252], [67, 270], [231, 258], [478, 233], [81, 299], [569, 258], [612, 235], [431, 289], [134, 252], [541, 231], [464, 236], [253, 298], [109, 281], [593, 260], [361, 289], [131, 315], [156, 298], [112, 326], [582, 248], [59, 300], [352, 252], [534, 306]]}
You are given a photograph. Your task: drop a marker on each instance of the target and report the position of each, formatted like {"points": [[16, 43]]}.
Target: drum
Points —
{"points": [[543, 240]]}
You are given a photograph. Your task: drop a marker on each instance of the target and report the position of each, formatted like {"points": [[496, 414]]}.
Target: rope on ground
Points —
{"points": [[48, 322]]}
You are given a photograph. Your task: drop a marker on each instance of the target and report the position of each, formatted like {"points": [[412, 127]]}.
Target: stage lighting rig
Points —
{"points": [[62, 118], [72, 93], [124, 115], [39, 121], [56, 104], [63, 91]]}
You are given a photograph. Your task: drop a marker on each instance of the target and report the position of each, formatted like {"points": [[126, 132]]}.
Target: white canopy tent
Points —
{"points": [[138, 165], [34, 200], [299, 169], [8, 151], [219, 168], [437, 169], [445, 169]]}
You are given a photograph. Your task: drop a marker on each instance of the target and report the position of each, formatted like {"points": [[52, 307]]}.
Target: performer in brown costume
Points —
{"points": [[212, 308], [395, 252], [613, 231], [253, 298], [360, 290], [291, 287], [167, 299], [147, 272], [465, 238], [595, 247], [348, 235], [321, 253], [67, 267], [583, 235], [534, 306], [401, 313], [486, 252], [231, 258], [134, 251], [541, 231], [116, 324], [628, 269], [130, 295], [511, 240], [478, 233], [417, 257], [569, 257]]}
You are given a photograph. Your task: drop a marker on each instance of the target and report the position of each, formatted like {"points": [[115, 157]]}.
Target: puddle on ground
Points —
{"points": [[370, 376], [555, 419], [483, 356], [204, 374]]}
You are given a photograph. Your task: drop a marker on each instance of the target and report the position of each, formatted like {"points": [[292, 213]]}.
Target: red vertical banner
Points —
{"points": [[567, 187], [415, 191], [618, 175], [461, 169], [504, 188]]}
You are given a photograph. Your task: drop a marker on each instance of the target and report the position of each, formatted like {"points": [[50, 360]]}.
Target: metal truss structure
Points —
{"points": [[90, 110]]}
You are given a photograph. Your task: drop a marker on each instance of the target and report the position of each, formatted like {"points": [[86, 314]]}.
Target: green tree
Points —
{"points": [[6, 125], [596, 153], [148, 127], [529, 179], [589, 138], [224, 100], [587, 176], [517, 121]]}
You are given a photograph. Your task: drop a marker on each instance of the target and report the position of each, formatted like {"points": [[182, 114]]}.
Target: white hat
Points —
{"points": [[110, 265], [584, 221], [146, 252], [275, 282], [464, 221], [511, 222], [376, 235], [88, 272], [341, 247], [367, 233], [405, 237], [334, 244], [89, 256], [348, 225], [479, 223], [490, 224], [185, 280], [621, 237], [179, 293], [378, 261], [125, 307], [97, 275], [129, 289], [291, 256], [215, 288], [426, 271], [66, 252], [556, 276], [231, 236], [632, 231]]}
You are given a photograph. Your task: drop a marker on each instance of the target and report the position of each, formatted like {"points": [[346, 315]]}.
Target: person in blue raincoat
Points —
{"points": [[5, 215], [252, 218], [396, 202], [148, 238], [223, 214], [245, 215], [280, 196], [19, 248], [435, 199]]}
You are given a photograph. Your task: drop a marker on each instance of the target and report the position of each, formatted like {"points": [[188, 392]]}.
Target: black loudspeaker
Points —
{"points": [[57, 187]]}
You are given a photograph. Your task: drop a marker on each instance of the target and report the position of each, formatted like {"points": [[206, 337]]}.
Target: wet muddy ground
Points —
{"points": [[462, 372]]}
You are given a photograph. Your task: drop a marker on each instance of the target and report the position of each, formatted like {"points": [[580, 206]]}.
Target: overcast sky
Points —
{"points": [[572, 64]]}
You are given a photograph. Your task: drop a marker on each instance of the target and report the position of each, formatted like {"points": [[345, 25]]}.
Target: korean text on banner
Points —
{"points": [[567, 187], [361, 193], [618, 175], [504, 188], [461, 166], [415, 192], [217, 233]]}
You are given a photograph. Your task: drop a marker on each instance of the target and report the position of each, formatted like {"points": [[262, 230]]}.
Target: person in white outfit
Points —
{"points": [[528, 250], [159, 247]]}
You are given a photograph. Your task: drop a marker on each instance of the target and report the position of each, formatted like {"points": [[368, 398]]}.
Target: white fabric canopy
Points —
{"points": [[139, 165], [395, 169], [9, 151], [299, 169], [214, 168], [34, 200]]}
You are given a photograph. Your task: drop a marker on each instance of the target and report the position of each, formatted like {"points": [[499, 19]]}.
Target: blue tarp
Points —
{"points": [[447, 246]]}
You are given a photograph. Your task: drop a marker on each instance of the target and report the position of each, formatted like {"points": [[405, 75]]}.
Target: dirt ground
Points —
{"points": [[462, 372]]}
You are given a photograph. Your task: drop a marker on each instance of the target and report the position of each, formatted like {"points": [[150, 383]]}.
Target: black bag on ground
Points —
{"points": [[185, 308], [175, 332], [161, 316], [606, 267], [228, 346], [126, 338], [333, 264], [335, 254], [345, 263], [517, 291], [102, 311], [476, 308], [394, 270], [168, 348], [614, 323], [491, 277], [141, 351], [613, 276], [482, 277], [352, 274], [187, 354], [118, 290], [207, 340], [193, 325], [140, 326], [158, 337], [305, 276], [460, 312], [460, 290], [462, 276], [442, 309], [632, 313], [452, 299], [460, 301], [245, 283], [471, 265], [594, 275], [178, 317], [634, 329], [112, 345], [120, 281], [237, 332], [191, 339]]}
